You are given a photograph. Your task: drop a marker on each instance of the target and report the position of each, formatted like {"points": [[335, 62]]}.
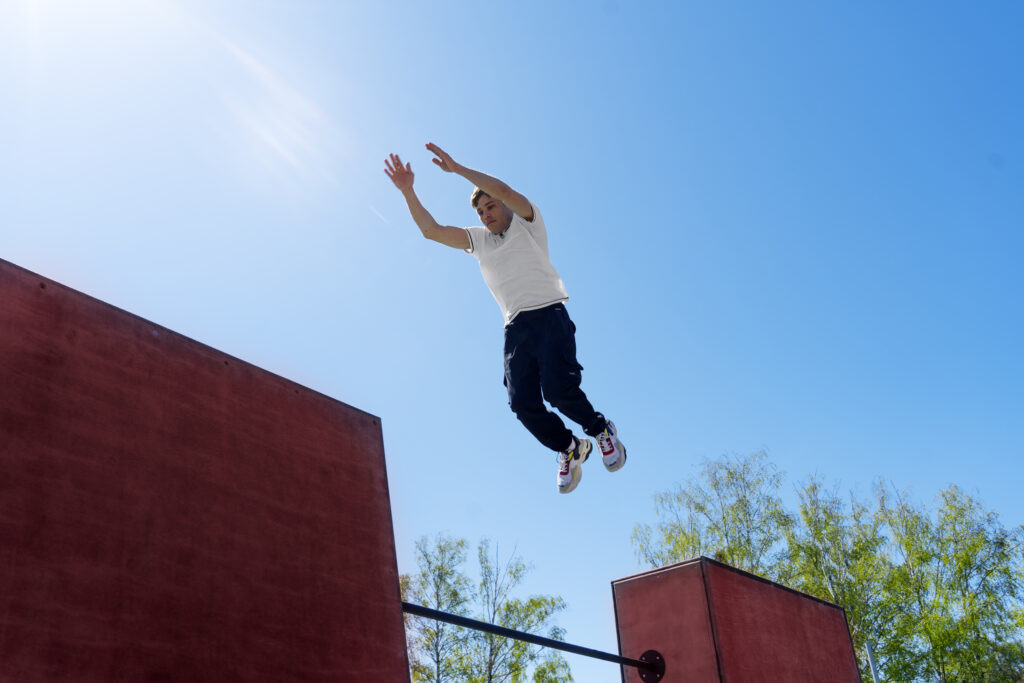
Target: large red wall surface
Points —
{"points": [[716, 624], [168, 512]]}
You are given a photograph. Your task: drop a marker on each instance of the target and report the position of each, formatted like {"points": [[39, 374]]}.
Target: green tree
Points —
{"points": [[452, 653], [953, 600], [731, 512], [496, 659], [836, 551], [931, 593], [437, 649]]}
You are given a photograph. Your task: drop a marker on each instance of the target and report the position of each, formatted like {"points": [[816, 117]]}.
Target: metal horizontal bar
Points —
{"points": [[429, 613]]}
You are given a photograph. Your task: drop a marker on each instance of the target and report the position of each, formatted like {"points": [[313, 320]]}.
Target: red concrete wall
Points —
{"points": [[716, 624], [168, 512]]}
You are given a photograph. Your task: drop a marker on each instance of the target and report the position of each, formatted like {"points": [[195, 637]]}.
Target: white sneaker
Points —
{"points": [[612, 451], [569, 470]]}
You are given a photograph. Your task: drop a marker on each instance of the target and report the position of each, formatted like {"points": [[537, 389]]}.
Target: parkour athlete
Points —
{"points": [[540, 342]]}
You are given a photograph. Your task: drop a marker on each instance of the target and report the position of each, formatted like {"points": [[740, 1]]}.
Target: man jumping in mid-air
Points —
{"points": [[540, 342]]}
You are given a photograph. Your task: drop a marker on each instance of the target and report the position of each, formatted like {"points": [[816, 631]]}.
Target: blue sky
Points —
{"points": [[793, 227]]}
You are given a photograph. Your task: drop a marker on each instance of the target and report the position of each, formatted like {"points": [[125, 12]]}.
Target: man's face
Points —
{"points": [[493, 213]]}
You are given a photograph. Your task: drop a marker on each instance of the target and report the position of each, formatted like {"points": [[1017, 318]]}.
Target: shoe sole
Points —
{"points": [[619, 463], [585, 447]]}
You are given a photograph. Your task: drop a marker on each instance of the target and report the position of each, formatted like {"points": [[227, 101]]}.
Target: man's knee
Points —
{"points": [[564, 388]]}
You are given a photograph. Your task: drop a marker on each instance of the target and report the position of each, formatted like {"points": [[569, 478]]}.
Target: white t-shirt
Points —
{"points": [[516, 265]]}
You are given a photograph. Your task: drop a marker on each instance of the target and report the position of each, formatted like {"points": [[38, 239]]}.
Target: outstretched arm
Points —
{"points": [[402, 177], [492, 186]]}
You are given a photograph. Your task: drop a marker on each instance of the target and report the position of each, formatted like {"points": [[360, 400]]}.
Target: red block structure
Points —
{"points": [[716, 624], [168, 512]]}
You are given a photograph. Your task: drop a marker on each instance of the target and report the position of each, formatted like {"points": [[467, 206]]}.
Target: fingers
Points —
{"points": [[443, 160], [401, 175], [439, 152], [394, 165]]}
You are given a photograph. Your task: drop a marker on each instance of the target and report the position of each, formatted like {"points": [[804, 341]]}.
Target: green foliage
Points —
{"points": [[931, 594], [436, 649], [553, 670], [836, 552], [473, 656], [953, 600], [732, 513]]}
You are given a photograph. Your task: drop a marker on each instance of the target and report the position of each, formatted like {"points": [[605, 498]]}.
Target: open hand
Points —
{"points": [[401, 176], [443, 159]]}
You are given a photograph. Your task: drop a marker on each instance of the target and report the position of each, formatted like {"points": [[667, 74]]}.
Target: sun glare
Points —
{"points": [[112, 52]]}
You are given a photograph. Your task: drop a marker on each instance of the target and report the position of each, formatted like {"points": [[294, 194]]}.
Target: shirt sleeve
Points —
{"points": [[475, 240], [536, 228]]}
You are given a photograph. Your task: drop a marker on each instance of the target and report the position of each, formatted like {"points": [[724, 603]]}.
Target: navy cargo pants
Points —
{"points": [[540, 364]]}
